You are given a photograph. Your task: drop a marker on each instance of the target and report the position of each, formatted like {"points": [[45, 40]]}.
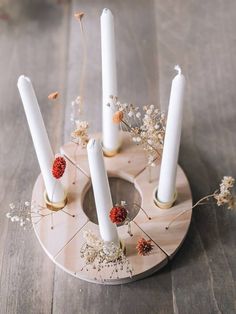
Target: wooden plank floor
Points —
{"points": [[41, 39]]}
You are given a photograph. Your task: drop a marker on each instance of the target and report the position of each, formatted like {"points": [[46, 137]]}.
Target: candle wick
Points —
{"points": [[178, 69]]}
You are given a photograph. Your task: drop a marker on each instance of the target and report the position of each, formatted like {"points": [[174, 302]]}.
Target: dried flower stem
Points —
{"points": [[40, 215], [38, 221], [129, 229], [75, 158], [72, 215], [148, 217], [52, 226], [200, 202], [149, 174], [84, 64]]}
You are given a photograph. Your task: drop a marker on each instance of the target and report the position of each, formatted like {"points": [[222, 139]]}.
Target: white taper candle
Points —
{"points": [[101, 191], [167, 182], [54, 188], [111, 139]]}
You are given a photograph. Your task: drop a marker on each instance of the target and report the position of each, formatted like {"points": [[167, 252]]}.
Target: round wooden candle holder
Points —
{"points": [[61, 233]]}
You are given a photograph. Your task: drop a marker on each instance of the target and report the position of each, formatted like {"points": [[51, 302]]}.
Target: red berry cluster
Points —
{"points": [[144, 247], [118, 214], [58, 167]]}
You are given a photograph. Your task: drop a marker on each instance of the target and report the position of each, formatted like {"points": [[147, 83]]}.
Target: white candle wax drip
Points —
{"points": [[54, 188], [101, 191], [111, 138], [167, 182]]}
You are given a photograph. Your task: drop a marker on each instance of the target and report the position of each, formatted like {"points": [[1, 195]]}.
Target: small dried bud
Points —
{"points": [[118, 117], [118, 214], [58, 168], [144, 247], [53, 96], [79, 15]]}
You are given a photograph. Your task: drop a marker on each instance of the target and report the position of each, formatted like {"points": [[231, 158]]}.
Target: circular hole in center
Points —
{"points": [[121, 190]]}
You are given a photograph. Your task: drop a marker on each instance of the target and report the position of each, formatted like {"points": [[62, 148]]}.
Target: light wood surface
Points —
{"points": [[63, 240], [128, 163], [41, 39]]}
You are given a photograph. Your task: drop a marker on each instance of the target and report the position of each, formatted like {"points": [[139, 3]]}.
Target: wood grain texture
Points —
{"points": [[132, 159], [42, 40], [56, 229], [27, 276]]}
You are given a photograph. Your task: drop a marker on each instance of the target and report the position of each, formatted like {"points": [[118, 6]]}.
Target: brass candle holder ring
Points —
{"points": [[52, 205], [164, 205]]}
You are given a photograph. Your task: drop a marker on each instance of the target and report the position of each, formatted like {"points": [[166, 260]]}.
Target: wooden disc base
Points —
{"points": [[61, 233]]}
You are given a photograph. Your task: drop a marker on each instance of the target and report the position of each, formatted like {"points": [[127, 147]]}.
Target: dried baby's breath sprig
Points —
{"points": [[223, 196], [99, 254], [146, 126], [80, 134], [53, 96], [20, 212], [23, 212], [27, 213]]}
